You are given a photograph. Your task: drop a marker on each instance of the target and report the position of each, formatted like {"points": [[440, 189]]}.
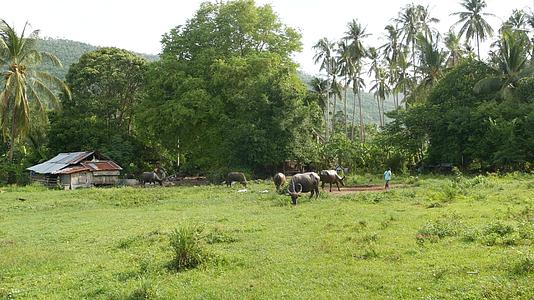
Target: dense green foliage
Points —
{"points": [[106, 85], [461, 238], [228, 98]]}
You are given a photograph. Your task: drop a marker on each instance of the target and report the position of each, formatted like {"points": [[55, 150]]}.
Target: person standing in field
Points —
{"points": [[387, 178]]}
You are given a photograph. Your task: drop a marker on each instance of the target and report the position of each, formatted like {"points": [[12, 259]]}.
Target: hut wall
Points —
{"points": [[106, 177], [81, 179]]}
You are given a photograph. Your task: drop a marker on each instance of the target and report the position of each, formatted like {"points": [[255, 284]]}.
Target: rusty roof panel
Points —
{"points": [[57, 164], [72, 170], [102, 165]]}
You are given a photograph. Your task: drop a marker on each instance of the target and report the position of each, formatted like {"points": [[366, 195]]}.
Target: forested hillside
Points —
{"points": [[69, 52]]}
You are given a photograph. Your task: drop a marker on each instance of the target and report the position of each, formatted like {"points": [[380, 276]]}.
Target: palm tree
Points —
{"points": [[474, 24], [517, 21], [432, 60], [391, 54], [510, 63], [324, 55], [454, 47], [425, 20], [380, 82], [381, 91], [320, 87], [404, 83], [408, 19], [22, 85], [345, 69], [355, 35], [335, 85]]}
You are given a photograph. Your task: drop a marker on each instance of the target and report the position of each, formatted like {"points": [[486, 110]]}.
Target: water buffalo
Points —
{"points": [[151, 177], [303, 183], [279, 180], [236, 177], [331, 176]]}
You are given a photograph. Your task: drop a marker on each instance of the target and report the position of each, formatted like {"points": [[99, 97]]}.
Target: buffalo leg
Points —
{"points": [[330, 187], [338, 186]]}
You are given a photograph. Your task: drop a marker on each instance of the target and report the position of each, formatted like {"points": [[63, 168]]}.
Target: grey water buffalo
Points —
{"points": [[236, 177], [279, 180], [151, 177], [331, 176], [303, 183]]}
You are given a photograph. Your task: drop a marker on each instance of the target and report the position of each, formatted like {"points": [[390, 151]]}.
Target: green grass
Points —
{"points": [[440, 238]]}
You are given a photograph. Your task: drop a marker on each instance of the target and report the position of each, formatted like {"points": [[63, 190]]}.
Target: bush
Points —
{"points": [[436, 230], [188, 249], [525, 265]]}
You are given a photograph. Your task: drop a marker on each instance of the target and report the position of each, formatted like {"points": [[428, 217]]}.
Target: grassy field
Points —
{"points": [[438, 238]]}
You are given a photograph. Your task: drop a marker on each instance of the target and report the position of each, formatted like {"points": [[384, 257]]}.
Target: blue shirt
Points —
{"points": [[387, 175]]}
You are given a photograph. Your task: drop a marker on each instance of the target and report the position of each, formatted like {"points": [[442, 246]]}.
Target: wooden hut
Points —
{"points": [[75, 170]]}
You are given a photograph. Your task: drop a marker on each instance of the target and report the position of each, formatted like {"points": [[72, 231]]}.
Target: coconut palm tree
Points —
{"points": [[391, 53], [381, 90], [518, 20], [355, 35], [425, 21], [404, 83], [380, 86], [345, 69], [324, 56], [22, 85], [320, 87], [473, 23], [432, 60], [408, 20], [454, 47], [510, 63]]}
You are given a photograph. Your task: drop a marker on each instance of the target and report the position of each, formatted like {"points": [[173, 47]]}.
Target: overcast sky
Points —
{"points": [[138, 25]]}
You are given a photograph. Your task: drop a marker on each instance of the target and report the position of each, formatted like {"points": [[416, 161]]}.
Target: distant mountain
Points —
{"points": [[369, 104], [69, 52]]}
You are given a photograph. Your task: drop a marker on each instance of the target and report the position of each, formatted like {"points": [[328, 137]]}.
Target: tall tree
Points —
{"points": [[107, 85], [408, 20], [321, 88], [22, 84], [432, 60], [356, 35], [227, 92], [454, 48], [380, 82], [324, 55], [509, 62], [391, 53], [345, 71], [473, 23]]}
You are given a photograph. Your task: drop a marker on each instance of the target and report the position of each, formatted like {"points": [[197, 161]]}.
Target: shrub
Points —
{"points": [[525, 265], [219, 236], [189, 252], [436, 230]]}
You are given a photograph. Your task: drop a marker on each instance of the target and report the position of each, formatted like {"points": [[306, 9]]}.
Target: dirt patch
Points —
{"points": [[360, 188]]}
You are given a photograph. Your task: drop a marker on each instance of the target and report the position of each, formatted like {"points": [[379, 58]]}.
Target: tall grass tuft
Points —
{"points": [[187, 245]]}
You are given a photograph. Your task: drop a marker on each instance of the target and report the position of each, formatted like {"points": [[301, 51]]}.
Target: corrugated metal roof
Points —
{"points": [[59, 162], [72, 170], [102, 165]]}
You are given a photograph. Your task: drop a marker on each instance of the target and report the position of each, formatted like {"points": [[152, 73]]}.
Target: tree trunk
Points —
{"points": [[478, 46], [362, 127], [353, 116], [383, 116], [345, 109], [379, 113], [333, 121]]}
